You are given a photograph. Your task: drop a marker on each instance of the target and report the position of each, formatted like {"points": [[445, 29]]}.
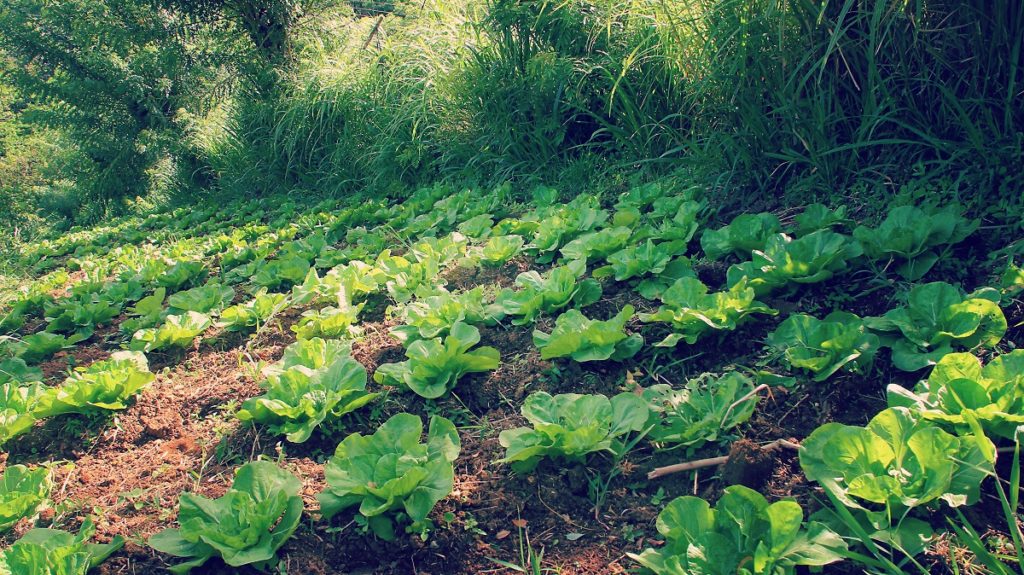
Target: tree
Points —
{"points": [[117, 76]]}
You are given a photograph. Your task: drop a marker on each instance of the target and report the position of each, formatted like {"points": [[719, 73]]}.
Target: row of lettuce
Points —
{"points": [[933, 444]]}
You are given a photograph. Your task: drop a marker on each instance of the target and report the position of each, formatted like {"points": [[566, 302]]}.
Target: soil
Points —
{"points": [[179, 436]]}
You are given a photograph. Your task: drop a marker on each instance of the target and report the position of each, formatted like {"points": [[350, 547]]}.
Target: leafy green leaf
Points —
{"points": [[936, 318], [17, 408], [819, 217], [585, 339], [897, 462], [17, 371], [434, 316], [253, 313], [39, 346], [392, 471], [54, 552], [289, 270], [545, 294], [813, 258], [744, 234], [210, 298], [701, 411], [639, 260], [329, 322], [247, 525], [571, 426], [177, 331], [742, 534], [500, 249], [597, 245], [959, 389], [909, 234], [300, 398], [692, 311], [823, 347], [435, 366], [22, 492], [107, 384], [181, 274]]}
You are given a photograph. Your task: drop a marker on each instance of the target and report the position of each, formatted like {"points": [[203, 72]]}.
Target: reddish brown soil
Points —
{"points": [[57, 367], [180, 436]]}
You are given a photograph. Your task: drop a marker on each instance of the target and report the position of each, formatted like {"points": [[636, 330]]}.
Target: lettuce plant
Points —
{"points": [[177, 331], [959, 390], [823, 347], [571, 426], [107, 384], [55, 552], [1011, 282], [701, 411], [146, 312], [897, 462], [597, 245], [747, 232], [585, 339], [22, 491], [566, 222], [181, 274], [434, 253], [743, 534], [210, 298], [390, 475], [404, 278], [299, 398], [245, 526], [937, 318], [40, 346], [81, 315], [249, 315], [275, 273], [819, 217], [673, 224], [14, 369], [515, 227], [692, 311], [637, 260], [813, 258], [477, 227], [435, 365], [313, 354], [434, 316], [345, 283], [910, 236], [17, 408], [500, 249], [546, 294], [329, 322]]}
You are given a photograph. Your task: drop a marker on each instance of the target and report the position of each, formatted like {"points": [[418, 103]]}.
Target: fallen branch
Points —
{"points": [[373, 32], [713, 461]]}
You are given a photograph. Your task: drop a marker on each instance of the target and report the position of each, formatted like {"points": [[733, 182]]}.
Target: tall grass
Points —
{"points": [[762, 99]]}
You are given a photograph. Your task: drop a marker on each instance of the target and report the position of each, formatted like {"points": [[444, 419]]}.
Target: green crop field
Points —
{"points": [[511, 286]]}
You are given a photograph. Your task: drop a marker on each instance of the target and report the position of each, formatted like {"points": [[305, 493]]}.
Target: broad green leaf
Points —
{"points": [[823, 347], [744, 234], [570, 426], [899, 461], [742, 534], [392, 471], [909, 234], [585, 339], [703, 410], [692, 311], [245, 526], [435, 365]]}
